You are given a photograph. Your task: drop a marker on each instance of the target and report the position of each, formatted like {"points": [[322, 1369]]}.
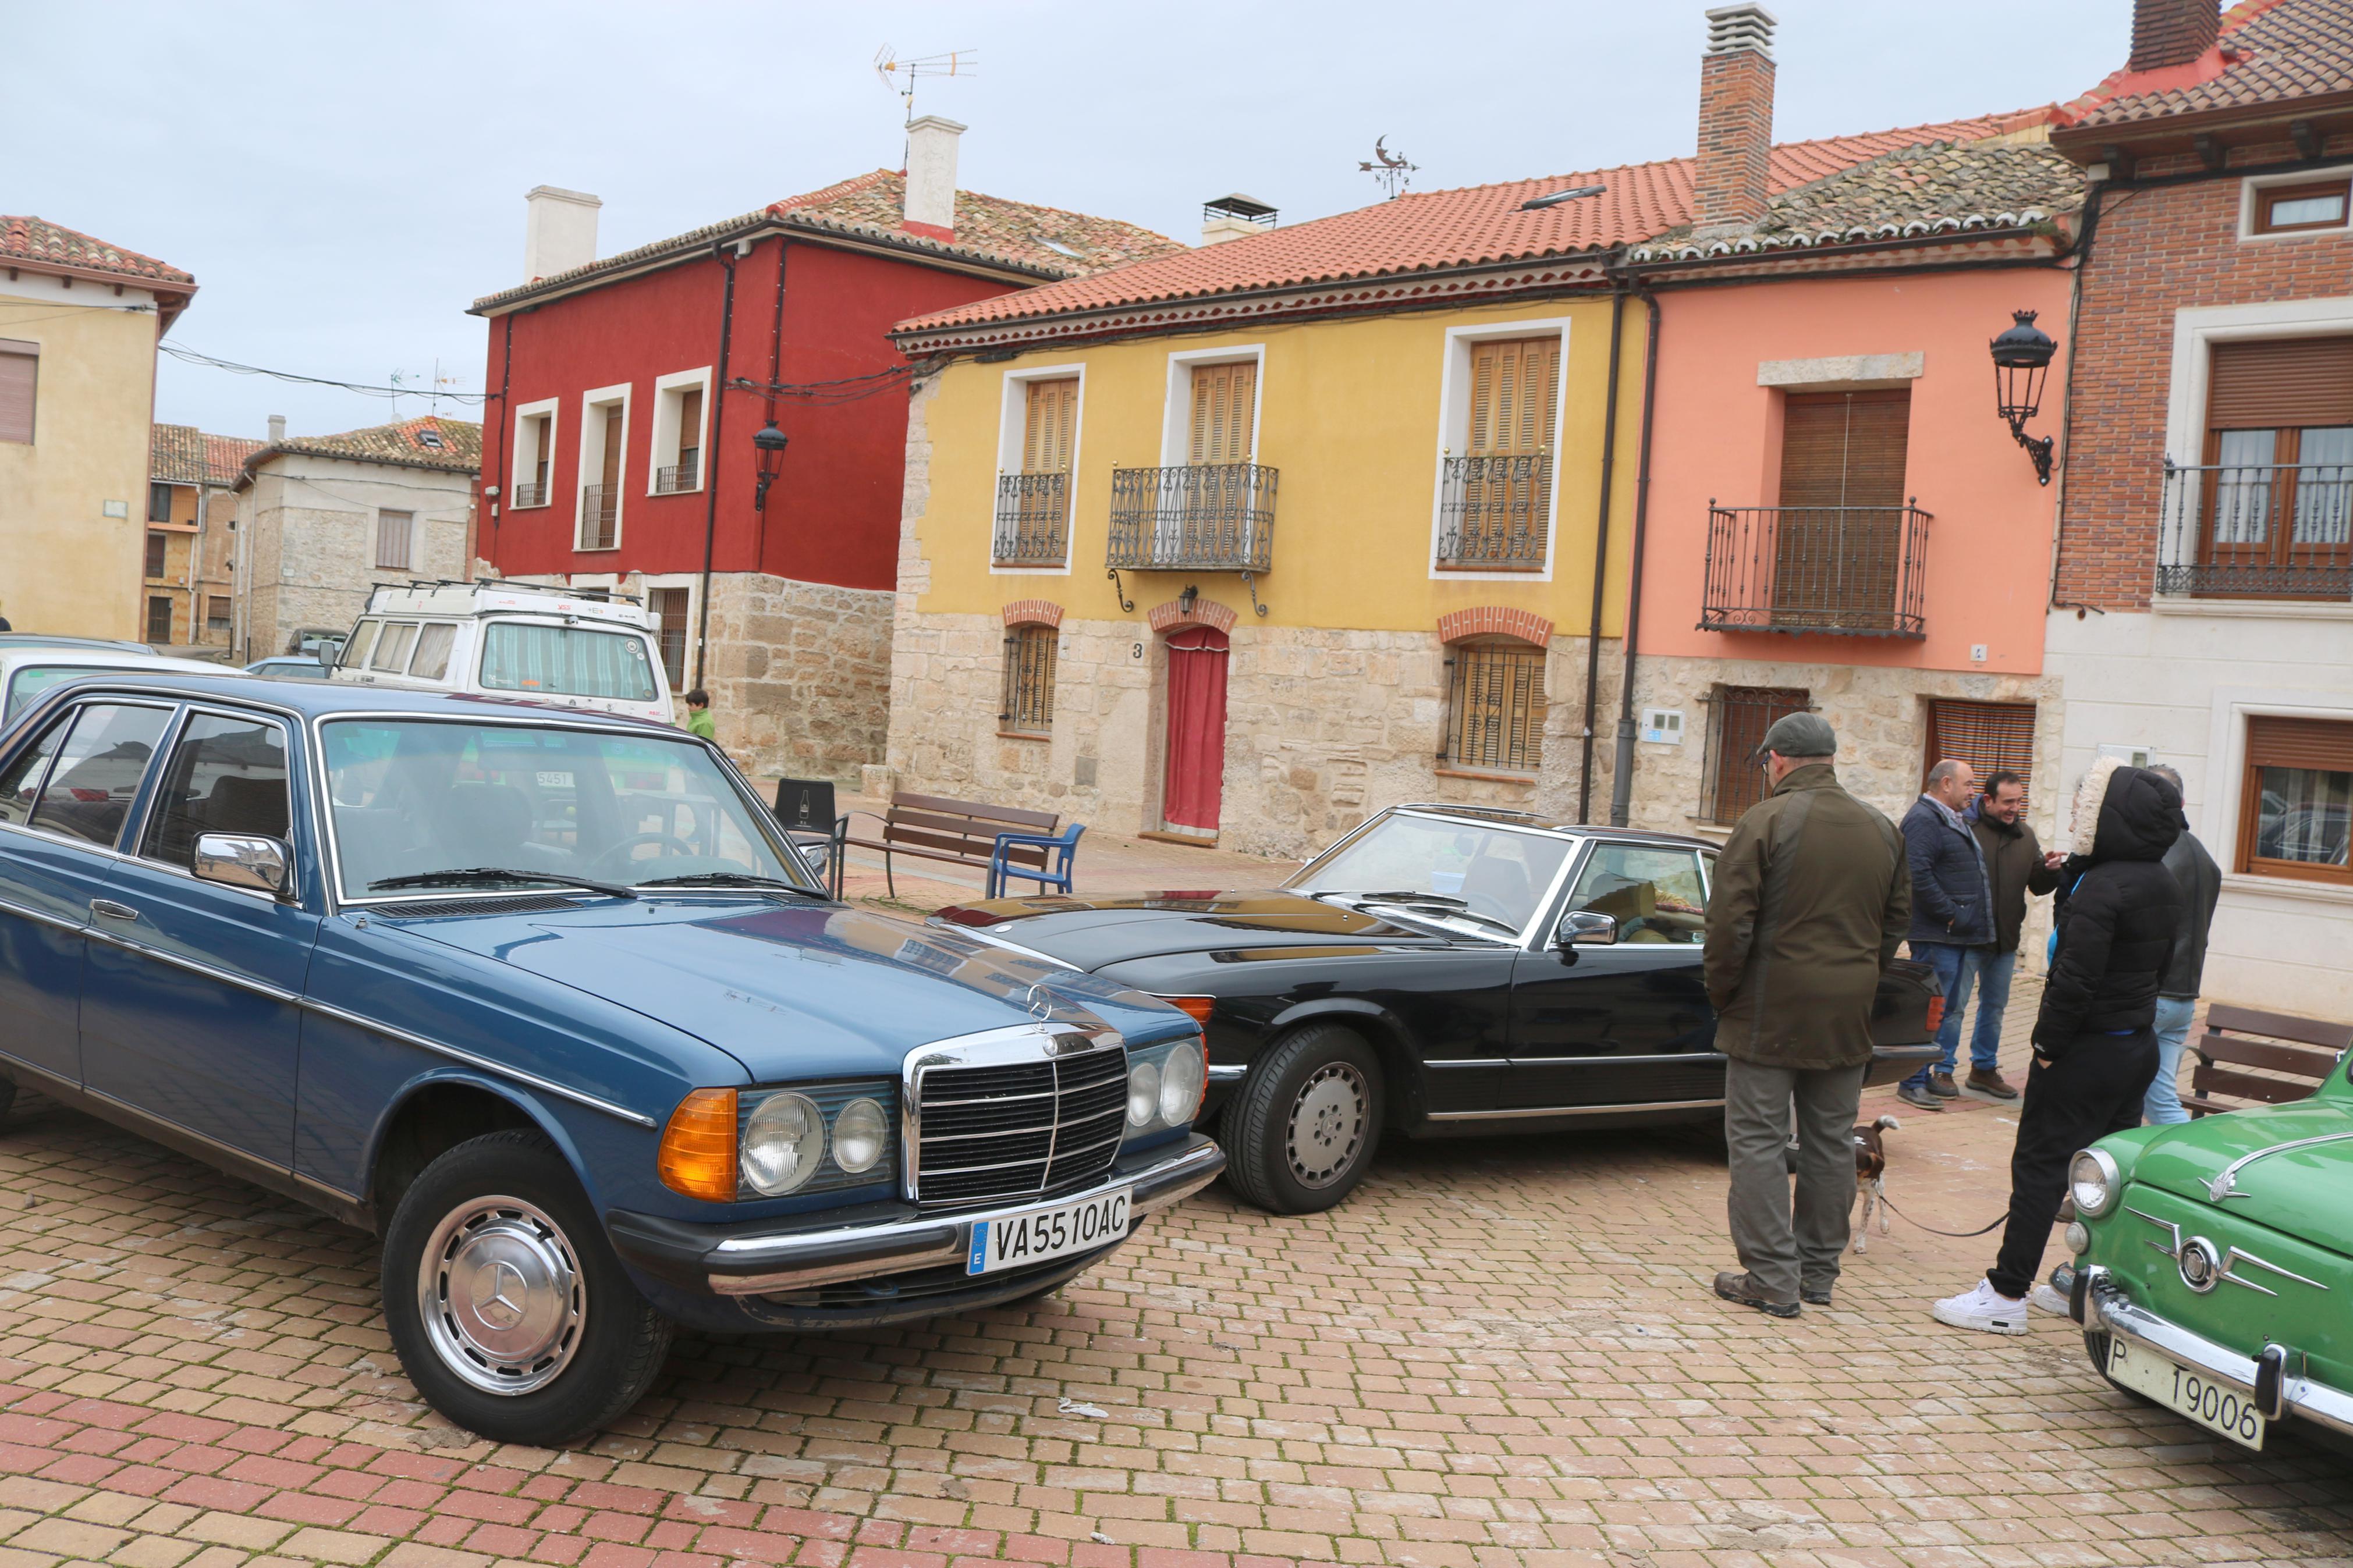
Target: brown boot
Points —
{"points": [[1744, 1289], [1940, 1084], [1989, 1082]]}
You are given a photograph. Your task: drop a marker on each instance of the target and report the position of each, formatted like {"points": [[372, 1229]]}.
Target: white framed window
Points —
{"points": [[1041, 422], [534, 454], [682, 420], [1212, 409], [604, 467], [396, 533], [672, 604], [2304, 205], [1495, 505]]}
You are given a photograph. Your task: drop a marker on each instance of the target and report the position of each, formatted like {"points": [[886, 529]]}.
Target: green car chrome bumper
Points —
{"points": [[2273, 1380]]}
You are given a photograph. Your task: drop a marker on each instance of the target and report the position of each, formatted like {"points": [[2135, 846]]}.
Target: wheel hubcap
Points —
{"points": [[500, 1293], [1327, 1125]]}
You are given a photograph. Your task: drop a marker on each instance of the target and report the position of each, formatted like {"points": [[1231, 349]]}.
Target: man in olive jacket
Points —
{"points": [[1811, 897]]}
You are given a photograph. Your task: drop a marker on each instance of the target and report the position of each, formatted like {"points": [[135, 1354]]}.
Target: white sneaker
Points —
{"points": [[2046, 1298], [1983, 1309]]}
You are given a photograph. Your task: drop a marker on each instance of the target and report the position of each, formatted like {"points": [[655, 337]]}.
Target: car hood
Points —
{"points": [[798, 989], [1092, 932], [2298, 1191]]}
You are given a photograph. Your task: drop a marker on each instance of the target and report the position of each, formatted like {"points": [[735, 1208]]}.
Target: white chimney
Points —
{"points": [[931, 171], [559, 231], [276, 429]]}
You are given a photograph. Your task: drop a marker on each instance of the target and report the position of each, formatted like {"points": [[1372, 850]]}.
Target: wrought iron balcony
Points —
{"points": [[679, 477], [1033, 519], [2271, 531], [600, 517], [529, 495], [1196, 517], [1843, 571], [1494, 511]]}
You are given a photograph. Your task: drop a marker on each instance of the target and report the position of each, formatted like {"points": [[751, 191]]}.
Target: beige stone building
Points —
{"points": [[322, 520], [187, 588], [79, 323]]}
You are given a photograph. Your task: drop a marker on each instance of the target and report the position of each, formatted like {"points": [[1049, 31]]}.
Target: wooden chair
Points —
{"points": [[2261, 1058], [960, 832]]}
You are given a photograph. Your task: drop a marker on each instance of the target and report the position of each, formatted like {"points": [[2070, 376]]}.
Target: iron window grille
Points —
{"points": [[679, 475], [1741, 716], [529, 495], [1843, 571], [600, 517], [2281, 531], [1028, 692], [1033, 513], [1496, 708], [1205, 517], [1494, 511]]}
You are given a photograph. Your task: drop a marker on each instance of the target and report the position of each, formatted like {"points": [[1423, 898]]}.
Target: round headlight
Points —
{"points": [[2079, 1240], [783, 1139], [860, 1133], [1180, 1084], [2093, 1183], [1143, 1094]]}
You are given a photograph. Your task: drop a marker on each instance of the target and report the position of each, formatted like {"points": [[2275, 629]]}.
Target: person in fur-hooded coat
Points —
{"points": [[2094, 1044]]}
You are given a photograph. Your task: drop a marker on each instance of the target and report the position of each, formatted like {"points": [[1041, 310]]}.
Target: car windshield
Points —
{"points": [[565, 661], [413, 797], [1499, 873]]}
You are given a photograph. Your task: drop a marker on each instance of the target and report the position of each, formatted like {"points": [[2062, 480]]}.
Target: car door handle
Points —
{"points": [[108, 910]]}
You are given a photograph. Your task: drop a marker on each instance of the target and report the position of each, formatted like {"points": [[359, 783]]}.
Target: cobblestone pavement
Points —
{"points": [[1496, 1353]]}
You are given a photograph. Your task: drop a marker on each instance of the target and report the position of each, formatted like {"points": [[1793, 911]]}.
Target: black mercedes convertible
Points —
{"points": [[1441, 971]]}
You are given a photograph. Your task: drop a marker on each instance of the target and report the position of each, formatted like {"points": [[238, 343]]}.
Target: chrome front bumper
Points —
{"points": [[732, 1261], [2107, 1309]]}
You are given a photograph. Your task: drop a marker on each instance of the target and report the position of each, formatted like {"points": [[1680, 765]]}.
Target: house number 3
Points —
{"points": [[1136, 651]]}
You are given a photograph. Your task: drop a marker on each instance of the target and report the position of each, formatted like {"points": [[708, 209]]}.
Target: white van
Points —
{"points": [[562, 647]]}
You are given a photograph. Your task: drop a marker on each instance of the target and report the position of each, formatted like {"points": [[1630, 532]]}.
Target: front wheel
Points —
{"points": [[508, 1308], [1301, 1133]]}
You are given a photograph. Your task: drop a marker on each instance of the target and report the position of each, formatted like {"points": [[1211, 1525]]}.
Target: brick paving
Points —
{"points": [[1498, 1351]]}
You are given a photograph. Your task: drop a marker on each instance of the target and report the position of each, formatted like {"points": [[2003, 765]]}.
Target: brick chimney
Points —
{"points": [[2172, 32], [1735, 120], [932, 175], [559, 231]]}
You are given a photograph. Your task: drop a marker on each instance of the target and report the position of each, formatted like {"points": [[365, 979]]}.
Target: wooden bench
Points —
{"points": [[2260, 1059], [960, 832]]}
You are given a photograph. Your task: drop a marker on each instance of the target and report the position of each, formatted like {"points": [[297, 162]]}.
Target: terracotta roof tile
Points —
{"points": [[175, 455], [2278, 51], [452, 445], [224, 456], [1421, 231], [34, 239]]}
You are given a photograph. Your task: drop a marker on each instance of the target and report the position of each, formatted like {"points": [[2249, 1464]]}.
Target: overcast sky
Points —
{"points": [[343, 180]]}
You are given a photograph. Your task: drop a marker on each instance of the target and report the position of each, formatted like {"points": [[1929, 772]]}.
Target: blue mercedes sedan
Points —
{"points": [[551, 1001]]}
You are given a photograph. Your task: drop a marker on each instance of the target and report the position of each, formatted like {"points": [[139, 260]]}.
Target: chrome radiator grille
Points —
{"points": [[1019, 1129]]}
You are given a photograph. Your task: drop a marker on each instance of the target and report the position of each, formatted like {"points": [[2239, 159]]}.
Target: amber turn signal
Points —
{"points": [[1194, 1007], [698, 1147], [1935, 1014]]}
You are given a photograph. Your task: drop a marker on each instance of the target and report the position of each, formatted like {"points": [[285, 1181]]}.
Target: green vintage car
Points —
{"points": [[2214, 1264]]}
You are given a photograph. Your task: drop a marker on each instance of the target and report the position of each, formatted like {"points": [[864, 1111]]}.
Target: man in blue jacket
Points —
{"points": [[1952, 916]]}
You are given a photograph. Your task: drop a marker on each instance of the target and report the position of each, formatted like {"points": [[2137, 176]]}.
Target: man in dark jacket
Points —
{"points": [[2095, 1051], [2177, 994], [1810, 898], [1952, 916], [2016, 869]]}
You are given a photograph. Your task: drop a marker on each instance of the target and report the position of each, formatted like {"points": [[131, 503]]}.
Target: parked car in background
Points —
{"points": [[47, 640], [549, 999], [2214, 1265], [289, 666], [1440, 972], [28, 669], [309, 640], [559, 645]]}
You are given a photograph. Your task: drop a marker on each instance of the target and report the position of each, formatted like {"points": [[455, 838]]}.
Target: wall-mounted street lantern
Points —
{"points": [[2022, 356], [772, 443], [1185, 600]]}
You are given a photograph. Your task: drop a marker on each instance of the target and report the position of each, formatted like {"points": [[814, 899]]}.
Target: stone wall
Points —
{"points": [[307, 527], [799, 676]]}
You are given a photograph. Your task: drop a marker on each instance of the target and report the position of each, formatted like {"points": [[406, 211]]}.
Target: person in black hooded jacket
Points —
{"points": [[2094, 1043]]}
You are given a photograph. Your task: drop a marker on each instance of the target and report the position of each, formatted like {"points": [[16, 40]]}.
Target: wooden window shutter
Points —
{"points": [[1514, 395], [20, 368], [1049, 424], [2281, 384], [2325, 744], [1743, 713], [1225, 403], [1988, 736], [1844, 448], [690, 420], [612, 475]]}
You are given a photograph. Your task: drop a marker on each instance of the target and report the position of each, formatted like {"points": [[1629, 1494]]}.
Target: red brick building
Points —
{"points": [[627, 392], [2202, 609]]}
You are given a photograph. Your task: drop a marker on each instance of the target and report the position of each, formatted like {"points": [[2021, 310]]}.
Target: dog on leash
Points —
{"points": [[1871, 1176]]}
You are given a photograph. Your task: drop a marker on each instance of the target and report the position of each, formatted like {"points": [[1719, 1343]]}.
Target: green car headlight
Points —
{"points": [[2094, 1182]]}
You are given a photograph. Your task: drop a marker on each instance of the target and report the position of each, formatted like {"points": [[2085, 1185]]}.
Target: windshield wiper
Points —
{"points": [[1453, 908], [1413, 896], [484, 874], [733, 880]]}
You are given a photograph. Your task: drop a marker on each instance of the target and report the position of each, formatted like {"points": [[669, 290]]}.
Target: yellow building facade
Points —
{"points": [[79, 324]]}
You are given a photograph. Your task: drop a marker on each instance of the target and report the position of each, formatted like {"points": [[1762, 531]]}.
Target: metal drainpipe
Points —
{"points": [[506, 379], [1621, 784], [726, 250], [1601, 554]]}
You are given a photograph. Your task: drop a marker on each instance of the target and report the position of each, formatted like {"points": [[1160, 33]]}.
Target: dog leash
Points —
{"points": [[1932, 1230]]}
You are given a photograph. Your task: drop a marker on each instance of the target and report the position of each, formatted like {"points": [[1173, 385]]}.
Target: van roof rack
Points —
{"points": [[608, 594]]}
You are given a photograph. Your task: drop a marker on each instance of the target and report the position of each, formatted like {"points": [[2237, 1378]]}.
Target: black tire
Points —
{"points": [[587, 1344], [1323, 1084]]}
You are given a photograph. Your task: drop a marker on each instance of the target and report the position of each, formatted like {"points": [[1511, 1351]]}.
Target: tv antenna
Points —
{"points": [[900, 73], [1391, 169]]}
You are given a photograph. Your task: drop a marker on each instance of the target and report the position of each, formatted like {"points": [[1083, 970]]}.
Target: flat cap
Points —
{"points": [[1800, 735]]}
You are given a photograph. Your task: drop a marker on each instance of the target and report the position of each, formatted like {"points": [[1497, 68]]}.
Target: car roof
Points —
{"points": [[99, 656], [53, 639], [313, 698], [1497, 817]]}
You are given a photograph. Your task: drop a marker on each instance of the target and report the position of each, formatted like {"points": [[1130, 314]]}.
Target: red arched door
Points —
{"points": [[1196, 729]]}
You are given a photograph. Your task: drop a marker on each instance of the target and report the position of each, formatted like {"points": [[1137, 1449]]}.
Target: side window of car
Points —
{"points": [[432, 660], [392, 648], [20, 782], [98, 770], [228, 776], [1653, 894]]}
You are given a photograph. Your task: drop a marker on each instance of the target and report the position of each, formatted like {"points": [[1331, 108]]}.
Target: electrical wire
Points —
{"points": [[207, 361]]}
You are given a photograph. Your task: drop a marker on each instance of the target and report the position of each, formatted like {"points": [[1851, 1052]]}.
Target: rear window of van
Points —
{"points": [[567, 661]]}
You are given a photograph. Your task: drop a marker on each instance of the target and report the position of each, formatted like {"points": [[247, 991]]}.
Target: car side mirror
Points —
{"points": [[244, 860], [1584, 928], [329, 652]]}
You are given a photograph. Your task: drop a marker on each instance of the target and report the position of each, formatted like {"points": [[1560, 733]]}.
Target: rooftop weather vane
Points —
{"points": [[894, 70], [1389, 168]]}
